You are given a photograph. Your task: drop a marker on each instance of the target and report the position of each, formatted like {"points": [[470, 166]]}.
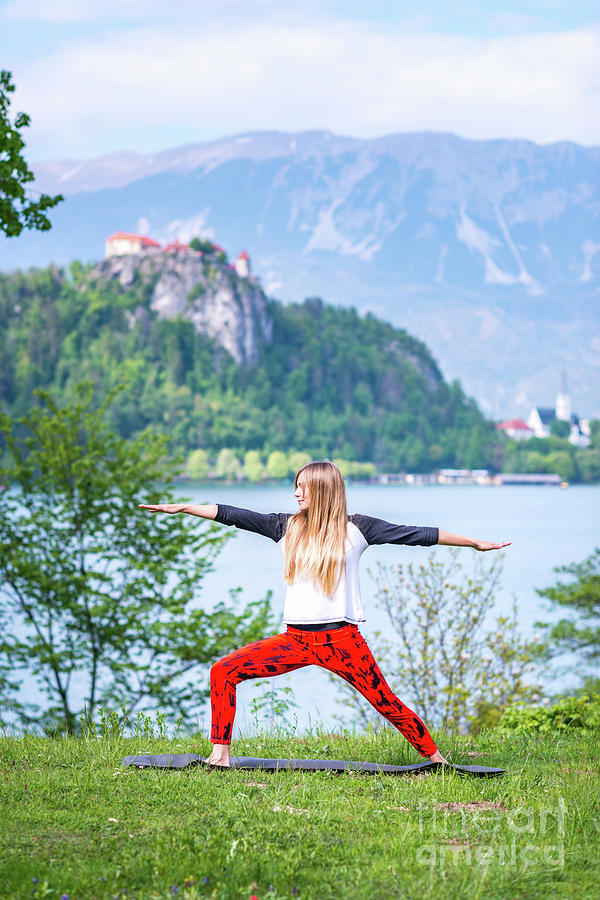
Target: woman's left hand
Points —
{"points": [[492, 545]]}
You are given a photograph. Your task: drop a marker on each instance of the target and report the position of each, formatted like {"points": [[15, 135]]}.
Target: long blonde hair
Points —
{"points": [[315, 537]]}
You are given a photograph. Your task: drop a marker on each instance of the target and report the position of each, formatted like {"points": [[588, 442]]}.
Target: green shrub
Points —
{"points": [[572, 712]]}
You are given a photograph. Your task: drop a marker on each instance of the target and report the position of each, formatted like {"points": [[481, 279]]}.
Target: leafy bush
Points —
{"points": [[451, 661], [572, 712]]}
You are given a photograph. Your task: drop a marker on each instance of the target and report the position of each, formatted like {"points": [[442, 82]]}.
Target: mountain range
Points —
{"points": [[489, 251]]}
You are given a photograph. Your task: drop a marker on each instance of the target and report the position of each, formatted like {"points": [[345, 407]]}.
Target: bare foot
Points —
{"points": [[437, 757], [220, 756]]}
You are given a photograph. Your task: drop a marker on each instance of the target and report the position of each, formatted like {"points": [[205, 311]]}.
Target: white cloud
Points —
{"points": [[150, 87]]}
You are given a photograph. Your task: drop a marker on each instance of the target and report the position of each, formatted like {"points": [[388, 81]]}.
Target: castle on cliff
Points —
{"points": [[124, 243]]}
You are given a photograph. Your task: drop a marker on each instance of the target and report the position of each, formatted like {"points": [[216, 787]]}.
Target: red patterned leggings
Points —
{"points": [[343, 651]]}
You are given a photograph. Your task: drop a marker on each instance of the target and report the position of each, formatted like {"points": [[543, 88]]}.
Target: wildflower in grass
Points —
{"points": [[174, 889], [188, 882], [294, 890], [64, 897], [36, 879], [205, 879]]}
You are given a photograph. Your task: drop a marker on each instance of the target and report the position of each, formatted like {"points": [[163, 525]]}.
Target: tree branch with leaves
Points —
{"points": [[580, 633], [17, 210]]}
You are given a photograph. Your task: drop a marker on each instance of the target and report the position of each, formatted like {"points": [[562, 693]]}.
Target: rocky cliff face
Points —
{"points": [[229, 309]]}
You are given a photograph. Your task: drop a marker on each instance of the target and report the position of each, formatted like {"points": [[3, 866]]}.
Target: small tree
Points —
{"points": [[581, 633], [16, 210], [204, 245], [277, 464], [197, 464], [562, 463], [364, 470], [559, 428], [447, 663], [253, 466], [345, 467], [297, 459], [228, 465], [100, 598]]}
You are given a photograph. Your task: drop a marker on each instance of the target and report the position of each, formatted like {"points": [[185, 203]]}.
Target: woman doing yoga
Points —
{"points": [[322, 546]]}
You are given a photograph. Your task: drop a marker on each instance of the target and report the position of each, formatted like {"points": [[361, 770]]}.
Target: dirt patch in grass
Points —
{"points": [[474, 806]]}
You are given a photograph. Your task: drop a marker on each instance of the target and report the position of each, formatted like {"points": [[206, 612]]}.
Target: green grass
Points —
{"points": [[82, 826]]}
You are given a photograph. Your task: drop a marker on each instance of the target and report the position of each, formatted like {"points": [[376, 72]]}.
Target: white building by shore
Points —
{"points": [[540, 419], [516, 429]]}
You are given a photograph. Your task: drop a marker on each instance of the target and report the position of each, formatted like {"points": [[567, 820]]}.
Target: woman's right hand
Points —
{"points": [[164, 507]]}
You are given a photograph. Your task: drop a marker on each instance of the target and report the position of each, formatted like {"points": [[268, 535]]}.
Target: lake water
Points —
{"points": [[548, 527]]}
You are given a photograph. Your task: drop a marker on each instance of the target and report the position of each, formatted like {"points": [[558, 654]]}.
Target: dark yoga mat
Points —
{"points": [[184, 760]]}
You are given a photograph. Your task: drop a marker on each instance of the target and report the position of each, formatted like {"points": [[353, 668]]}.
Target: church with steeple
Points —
{"points": [[540, 418]]}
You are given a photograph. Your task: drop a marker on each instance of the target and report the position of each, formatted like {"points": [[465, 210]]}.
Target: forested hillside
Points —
{"points": [[326, 381]]}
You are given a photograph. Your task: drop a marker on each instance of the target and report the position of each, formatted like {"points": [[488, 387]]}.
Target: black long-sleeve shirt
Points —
{"points": [[305, 601]]}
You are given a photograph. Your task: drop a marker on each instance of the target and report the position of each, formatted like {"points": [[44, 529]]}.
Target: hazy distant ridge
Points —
{"points": [[432, 207]]}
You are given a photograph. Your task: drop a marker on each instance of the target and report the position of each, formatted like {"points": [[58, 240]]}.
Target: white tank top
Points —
{"points": [[305, 601]]}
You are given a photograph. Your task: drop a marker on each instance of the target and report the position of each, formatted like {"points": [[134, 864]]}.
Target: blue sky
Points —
{"points": [[144, 75]]}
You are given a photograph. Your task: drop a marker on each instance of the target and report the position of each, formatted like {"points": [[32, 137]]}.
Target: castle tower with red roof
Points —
{"points": [[242, 265]]}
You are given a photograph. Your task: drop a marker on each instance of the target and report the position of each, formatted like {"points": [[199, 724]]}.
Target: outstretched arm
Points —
{"points": [[205, 511], [457, 540], [271, 525]]}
